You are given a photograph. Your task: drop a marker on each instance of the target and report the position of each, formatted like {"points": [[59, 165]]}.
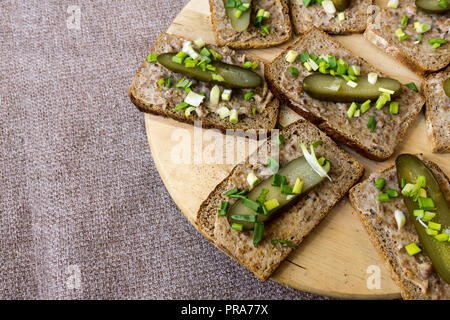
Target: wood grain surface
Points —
{"points": [[335, 258]]}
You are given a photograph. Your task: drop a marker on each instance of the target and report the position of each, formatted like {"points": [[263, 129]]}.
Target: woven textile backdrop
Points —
{"points": [[83, 212]]}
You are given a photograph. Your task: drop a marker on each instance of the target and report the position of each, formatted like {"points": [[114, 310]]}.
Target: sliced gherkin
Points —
{"points": [[298, 168], [409, 168], [334, 88], [242, 22], [447, 87], [233, 76], [341, 5]]}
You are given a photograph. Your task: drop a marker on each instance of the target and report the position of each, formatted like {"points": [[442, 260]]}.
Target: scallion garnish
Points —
{"points": [[152, 58], [392, 193], [258, 232], [244, 217], [249, 95], [293, 71], [223, 208], [273, 164], [379, 184], [404, 21], [412, 86], [279, 139], [237, 227], [285, 242], [262, 196], [383, 197], [232, 191], [181, 106], [372, 123]]}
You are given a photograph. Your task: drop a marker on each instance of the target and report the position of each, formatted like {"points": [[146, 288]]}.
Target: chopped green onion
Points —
{"points": [[408, 189], [412, 86], [379, 184], [217, 77], [392, 193], [399, 218], [293, 71], [214, 95], [428, 215], [404, 20], [412, 249], [306, 3], [232, 191], [244, 217], [383, 197], [234, 116], [443, 4], [215, 55], [400, 34], [281, 241], [271, 204], [365, 106], [194, 99], [341, 16], [434, 226], [304, 57], [372, 123], [354, 70], [372, 77], [328, 6], [188, 111], [253, 111], [419, 39], [279, 126], [249, 95], [421, 27], [386, 90], [181, 106], [393, 107], [237, 226], [291, 56], [307, 66], [279, 139], [252, 179], [351, 110], [260, 13], [230, 4], [244, 7], [273, 164], [152, 58], [223, 112], [205, 52], [392, 4], [265, 29], [402, 183], [262, 196], [441, 237], [238, 13], [298, 186], [258, 231], [313, 64], [179, 57], [199, 43], [255, 206], [352, 84], [426, 203], [285, 189], [226, 95], [381, 101], [431, 232], [277, 180], [223, 208], [418, 213], [161, 82], [342, 67]]}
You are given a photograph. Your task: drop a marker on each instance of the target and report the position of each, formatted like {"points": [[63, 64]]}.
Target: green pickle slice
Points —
{"points": [[234, 76], [431, 6], [298, 168], [410, 167], [241, 23], [341, 5], [447, 87], [323, 87]]}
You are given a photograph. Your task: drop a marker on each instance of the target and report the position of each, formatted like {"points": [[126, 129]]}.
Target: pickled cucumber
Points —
{"points": [[341, 5], [333, 88], [233, 76], [241, 23], [410, 167], [447, 87], [298, 168], [432, 6]]}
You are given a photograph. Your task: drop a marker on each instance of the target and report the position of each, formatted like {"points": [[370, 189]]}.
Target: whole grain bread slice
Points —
{"points": [[297, 221], [331, 117], [437, 110], [150, 97], [356, 17], [279, 21], [420, 57], [413, 274]]}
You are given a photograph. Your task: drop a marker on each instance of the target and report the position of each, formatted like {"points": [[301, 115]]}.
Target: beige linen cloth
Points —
{"points": [[83, 212]]}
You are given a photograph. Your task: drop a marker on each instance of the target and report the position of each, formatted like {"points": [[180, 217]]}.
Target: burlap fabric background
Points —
{"points": [[80, 197]]}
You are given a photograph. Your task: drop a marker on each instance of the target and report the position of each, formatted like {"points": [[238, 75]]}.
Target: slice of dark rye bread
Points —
{"points": [[421, 58], [332, 117], [413, 274], [437, 111], [296, 222], [279, 21], [356, 17], [149, 97]]}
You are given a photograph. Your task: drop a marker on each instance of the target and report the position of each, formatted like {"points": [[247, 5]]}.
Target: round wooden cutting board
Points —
{"points": [[337, 258]]}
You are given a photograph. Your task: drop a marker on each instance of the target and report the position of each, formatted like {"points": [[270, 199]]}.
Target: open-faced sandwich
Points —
{"points": [[269, 204], [436, 89], [191, 81], [416, 32], [245, 24], [343, 94], [406, 213], [332, 16]]}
